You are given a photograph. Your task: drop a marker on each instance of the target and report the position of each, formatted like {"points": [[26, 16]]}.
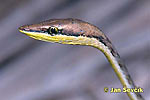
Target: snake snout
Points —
{"points": [[24, 28]]}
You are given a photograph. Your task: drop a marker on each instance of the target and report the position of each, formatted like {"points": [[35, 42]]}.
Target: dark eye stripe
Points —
{"points": [[36, 31]]}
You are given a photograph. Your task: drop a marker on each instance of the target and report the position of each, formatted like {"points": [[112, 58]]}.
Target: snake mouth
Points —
{"points": [[25, 31]]}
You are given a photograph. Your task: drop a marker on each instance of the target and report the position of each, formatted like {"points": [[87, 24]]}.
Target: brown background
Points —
{"points": [[35, 70]]}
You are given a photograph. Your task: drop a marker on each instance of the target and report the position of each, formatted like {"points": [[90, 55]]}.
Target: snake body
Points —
{"points": [[78, 32]]}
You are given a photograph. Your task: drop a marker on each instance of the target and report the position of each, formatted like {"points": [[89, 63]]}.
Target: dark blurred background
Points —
{"points": [[36, 70]]}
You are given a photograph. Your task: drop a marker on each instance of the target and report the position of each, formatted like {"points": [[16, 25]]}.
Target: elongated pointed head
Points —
{"points": [[65, 31]]}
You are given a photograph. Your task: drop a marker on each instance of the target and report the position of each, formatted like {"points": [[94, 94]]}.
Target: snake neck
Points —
{"points": [[117, 64]]}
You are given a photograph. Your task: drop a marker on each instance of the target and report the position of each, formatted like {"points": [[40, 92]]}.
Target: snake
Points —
{"points": [[77, 32]]}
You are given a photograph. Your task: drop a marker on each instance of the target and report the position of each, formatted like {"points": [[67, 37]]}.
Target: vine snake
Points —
{"points": [[78, 32]]}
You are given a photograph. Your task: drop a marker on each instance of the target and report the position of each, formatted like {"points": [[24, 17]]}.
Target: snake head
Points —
{"points": [[65, 31]]}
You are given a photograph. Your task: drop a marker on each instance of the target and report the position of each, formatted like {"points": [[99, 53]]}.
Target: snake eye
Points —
{"points": [[53, 30]]}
